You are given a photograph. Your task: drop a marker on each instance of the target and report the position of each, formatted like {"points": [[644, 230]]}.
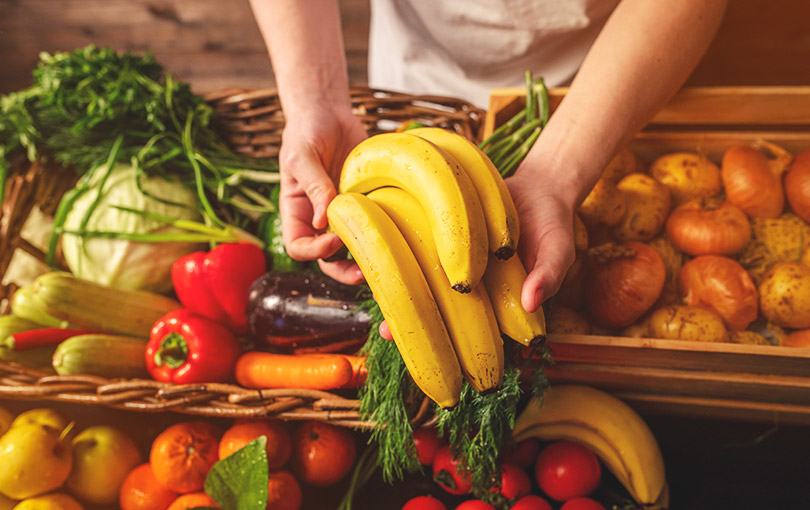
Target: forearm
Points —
{"points": [[305, 42], [643, 55]]}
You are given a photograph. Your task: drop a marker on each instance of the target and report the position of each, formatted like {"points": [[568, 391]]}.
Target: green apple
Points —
{"points": [[102, 458], [34, 459], [52, 501]]}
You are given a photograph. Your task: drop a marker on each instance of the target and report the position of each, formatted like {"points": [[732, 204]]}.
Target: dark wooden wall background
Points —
{"points": [[216, 44]]}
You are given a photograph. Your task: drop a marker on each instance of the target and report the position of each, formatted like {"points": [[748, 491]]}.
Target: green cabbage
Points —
{"points": [[125, 263]]}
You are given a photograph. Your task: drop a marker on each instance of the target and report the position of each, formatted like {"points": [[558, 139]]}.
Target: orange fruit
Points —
{"points": [[283, 491], [141, 491], [193, 500], [183, 454], [322, 453], [245, 431]]}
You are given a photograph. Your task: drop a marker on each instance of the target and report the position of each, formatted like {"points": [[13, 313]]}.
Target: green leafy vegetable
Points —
{"points": [[92, 108], [239, 481]]}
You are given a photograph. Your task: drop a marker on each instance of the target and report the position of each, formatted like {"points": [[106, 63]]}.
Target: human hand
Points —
{"points": [[314, 144], [546, 244]]}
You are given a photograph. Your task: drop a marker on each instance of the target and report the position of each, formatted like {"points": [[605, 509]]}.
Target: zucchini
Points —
{"points": [[87, 305], [103, 355], [26, 306]]}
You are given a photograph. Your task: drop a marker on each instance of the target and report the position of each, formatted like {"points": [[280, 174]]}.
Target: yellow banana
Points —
{"points": [[588, 414], [499, 209], [504, 280], [400, 288], [469, 318], [437, 181]]}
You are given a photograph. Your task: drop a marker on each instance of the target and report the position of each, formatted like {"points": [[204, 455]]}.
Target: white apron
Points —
{"points": [[465, 48]]}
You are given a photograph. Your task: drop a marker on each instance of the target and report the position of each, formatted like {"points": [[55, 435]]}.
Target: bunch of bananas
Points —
{"points": [[610, 428], [427, 217]]}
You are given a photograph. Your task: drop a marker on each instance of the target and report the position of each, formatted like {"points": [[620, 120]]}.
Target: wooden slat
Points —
{"points": [[699, 106]]}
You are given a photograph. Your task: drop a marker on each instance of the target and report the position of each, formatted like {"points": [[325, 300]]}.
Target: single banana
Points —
{"points": [[504, 281], [469, 318], [440, 184], [400, 288], [588, 413], [499, 209]]}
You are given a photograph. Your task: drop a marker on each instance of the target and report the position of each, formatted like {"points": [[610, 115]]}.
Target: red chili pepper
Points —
{"points": [[44, 337], [185, 348], [216, 284]]}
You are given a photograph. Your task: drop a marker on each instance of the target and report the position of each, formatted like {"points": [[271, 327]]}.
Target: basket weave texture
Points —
{"points": [[251, 122]]}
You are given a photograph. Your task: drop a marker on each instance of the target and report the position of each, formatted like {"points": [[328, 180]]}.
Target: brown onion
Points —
{"points": [[750, 183], [722, 286], [799, 338], [797, 185], [708, 227], [625, 280]]}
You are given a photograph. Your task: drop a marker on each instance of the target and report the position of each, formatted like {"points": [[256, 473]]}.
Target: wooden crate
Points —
{"points": [[729, 381]]}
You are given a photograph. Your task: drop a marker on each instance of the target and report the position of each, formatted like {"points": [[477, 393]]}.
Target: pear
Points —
{"points": [[53, 501], [5, 421], [102, 458], [45, 416], [34, 459]]}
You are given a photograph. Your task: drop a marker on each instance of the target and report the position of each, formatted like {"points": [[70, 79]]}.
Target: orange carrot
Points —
{"points": [[312, 371], [359, 370]]}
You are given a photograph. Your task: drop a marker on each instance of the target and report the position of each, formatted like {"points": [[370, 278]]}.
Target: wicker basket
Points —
{"points": [[251, 121]]}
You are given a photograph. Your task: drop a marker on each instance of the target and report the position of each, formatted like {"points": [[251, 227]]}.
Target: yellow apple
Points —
{"points": [[52, 501], [5, 421], [102, 458], [34, 459], [45, 416]]}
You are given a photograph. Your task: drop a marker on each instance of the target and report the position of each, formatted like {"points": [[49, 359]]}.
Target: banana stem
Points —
{"points": [[520, 153]]}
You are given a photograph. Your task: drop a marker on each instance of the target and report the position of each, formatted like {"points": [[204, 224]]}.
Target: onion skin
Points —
{"points": [[708, 227], [687, 323], [750, 184], [687, 175], [797, 185], [722, 286], [625, 281], [799, 338], [784, 295]]}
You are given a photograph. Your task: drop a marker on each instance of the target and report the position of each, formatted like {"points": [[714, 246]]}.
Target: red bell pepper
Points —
{"points": [[215, 284], [184, 348]]}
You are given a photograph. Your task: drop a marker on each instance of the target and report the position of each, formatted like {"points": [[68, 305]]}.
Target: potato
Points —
{"points": [[687, 323], [565, 321], [580, 234], [747, 337], [782, 239], [623, 163], [687, 175], [648, 204], [605, 204], [640, 329], [784, 295]]}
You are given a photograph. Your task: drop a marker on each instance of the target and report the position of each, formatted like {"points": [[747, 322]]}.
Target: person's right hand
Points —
{"points": [[314, 144]]}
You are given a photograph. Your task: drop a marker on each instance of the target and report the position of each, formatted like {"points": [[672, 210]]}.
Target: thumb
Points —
{"points": [[554, 257], [306, 168]]}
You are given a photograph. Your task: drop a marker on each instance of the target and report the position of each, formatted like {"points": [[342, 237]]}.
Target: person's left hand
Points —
{"points": [[546, 244]]}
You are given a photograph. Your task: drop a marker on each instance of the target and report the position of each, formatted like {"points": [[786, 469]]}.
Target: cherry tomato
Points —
{"points": [[424, 503], [427, 444], [446, 473], [524, 453], [475, 504], [531, 502], [566, 470], [582, 504], [515, 483]]}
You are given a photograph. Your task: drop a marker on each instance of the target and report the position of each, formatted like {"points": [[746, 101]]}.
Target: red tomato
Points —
{"points": [[427, 444], [524, 453], [566, 470], [322, 454], [424, 503], [531, 502], [475, 504], [446, 473], [515, 483], [581, 504]]}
